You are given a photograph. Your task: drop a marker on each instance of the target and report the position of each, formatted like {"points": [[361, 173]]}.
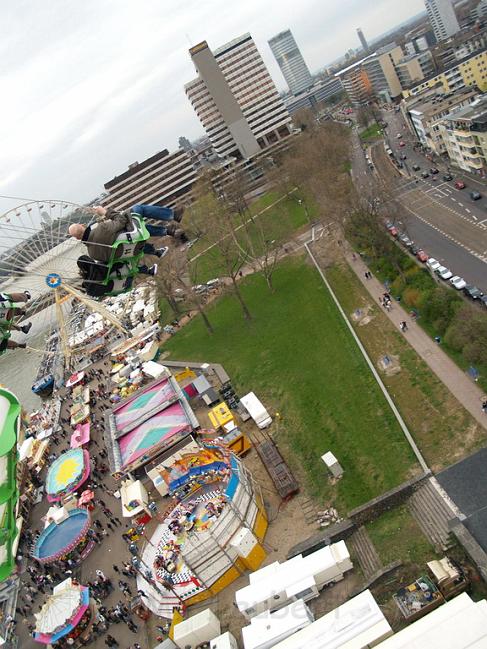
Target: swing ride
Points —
{"points": [[40, 259]]}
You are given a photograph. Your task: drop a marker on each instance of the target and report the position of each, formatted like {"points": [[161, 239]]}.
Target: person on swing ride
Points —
{"points": [[101, 235], [8, 311]]}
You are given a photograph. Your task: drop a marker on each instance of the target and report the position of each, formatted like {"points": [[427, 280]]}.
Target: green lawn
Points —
{"points": [[396, 535], [371, 133], [281, 220], [299, 357], [444, 431]]}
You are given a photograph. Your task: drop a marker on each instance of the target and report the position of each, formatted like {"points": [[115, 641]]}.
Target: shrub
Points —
{"points": [[441, 308], [412, 297]]}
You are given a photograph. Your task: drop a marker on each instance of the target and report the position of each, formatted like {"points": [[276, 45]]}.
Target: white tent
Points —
{"points": [[59, 607]]}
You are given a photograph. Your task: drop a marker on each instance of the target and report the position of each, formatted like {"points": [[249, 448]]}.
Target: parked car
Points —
{"points": [[458, 282], [433, 264], [416, 167], [401, 144], [415, 250], [405, 240], [472, 292], [394, 232], [422, 256], [399, 136], [444, 272], [434, 171], [483, 299], [475, 196], [459, 184], [447, 177], [403, 156], [425, 174]]}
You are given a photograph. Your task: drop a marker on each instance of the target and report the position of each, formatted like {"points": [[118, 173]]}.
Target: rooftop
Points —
{"points": [[474, 112], [441, 102]]}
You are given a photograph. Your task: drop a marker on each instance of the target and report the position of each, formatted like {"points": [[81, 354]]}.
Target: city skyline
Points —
{"points": [[64, 132]]}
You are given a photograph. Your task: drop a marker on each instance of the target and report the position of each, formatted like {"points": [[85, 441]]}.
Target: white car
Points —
{"points": [[399, 136], [458, 282], [433, 264], [444, 272]]}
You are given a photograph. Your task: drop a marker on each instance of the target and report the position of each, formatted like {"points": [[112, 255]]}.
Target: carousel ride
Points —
{"points": [[66, 613], [68, 472], [66, 537], [194, 553], [56, 290]]}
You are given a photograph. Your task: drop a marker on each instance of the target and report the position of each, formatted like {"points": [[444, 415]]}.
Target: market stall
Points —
{"points": [[80, 436]]}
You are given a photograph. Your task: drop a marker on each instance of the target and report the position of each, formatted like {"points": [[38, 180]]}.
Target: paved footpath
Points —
{"points": [[468, 393]]}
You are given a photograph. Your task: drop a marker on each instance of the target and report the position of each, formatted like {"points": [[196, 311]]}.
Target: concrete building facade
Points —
{"points": [[472, 71], [162, 179], [465, 135], [236, 100], [310, 99], [291, 62], [442, 17], [425, 115]]}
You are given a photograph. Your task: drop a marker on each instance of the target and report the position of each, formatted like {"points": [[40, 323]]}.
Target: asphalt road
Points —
{"points": [[439, 218]]}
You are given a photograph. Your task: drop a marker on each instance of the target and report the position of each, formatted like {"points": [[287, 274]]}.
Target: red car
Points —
{"points": [[393, 231], [422, 256], [459, 184], [401, 144]]}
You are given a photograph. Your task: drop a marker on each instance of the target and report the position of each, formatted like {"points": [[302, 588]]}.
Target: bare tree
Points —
{"points": [[227, 250]]}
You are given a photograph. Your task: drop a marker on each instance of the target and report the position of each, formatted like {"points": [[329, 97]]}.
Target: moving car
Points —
{"points": [[422, 256], [472, 292], [416, 167], [447, 177], [433, 264], [475, 196], [425, 174], [434, 171], [459, 184], [444, 272], [458, 282]]}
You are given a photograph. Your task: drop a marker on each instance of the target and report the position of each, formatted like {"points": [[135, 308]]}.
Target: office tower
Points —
{"points": [[235, 99], [442, 17], [362, 40], [291, 62]]}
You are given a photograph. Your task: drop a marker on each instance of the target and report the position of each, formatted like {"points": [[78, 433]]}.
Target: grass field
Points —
{"points": [[444, 431], [300, 359], [281, 220], [371, 133]]}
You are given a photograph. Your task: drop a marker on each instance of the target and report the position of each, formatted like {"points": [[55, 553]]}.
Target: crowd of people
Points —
{"points": [[112, 584]]}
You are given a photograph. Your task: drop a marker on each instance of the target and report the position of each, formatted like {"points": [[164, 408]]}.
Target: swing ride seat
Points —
{"points": [[128, 246], [5, 305]]}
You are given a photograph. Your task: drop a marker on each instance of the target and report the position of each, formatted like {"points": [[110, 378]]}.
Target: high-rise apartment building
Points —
{"points": [[236, 100], [291, 62], [162, 179], [362, 40], [442, 17]]}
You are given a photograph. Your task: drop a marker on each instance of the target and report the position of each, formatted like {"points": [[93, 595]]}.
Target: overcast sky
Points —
{"points": [[90, 86]]}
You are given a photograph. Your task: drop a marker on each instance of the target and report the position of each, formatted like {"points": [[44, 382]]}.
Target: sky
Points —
{"points": [[90, 87]]}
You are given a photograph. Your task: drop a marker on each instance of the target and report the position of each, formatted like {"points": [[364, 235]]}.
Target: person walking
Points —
{"points": [[110, 641]]}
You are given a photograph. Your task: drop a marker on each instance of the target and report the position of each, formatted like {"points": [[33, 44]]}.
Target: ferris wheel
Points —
{"points": [[37, 255]]}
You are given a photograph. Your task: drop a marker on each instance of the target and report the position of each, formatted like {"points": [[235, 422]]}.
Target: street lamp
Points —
{"points": [[303, 202]]}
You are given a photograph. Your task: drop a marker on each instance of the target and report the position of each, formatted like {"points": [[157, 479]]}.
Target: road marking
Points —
{"points": [[466, 209], [453, 199], [460, 204]]}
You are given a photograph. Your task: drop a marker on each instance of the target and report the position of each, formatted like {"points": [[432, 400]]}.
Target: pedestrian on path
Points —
{"points": [[403, 326]]}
